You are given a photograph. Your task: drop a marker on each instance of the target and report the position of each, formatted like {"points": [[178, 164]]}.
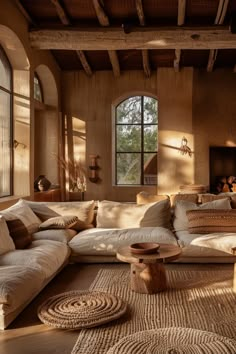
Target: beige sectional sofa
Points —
{"points": [[92, 232]]}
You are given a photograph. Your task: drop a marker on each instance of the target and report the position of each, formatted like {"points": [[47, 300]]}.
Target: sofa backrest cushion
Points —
{"points": [[206, 198], [189, 197], [144, 198], [126, 215], [59, 222], [19, 233], [208, 221], [180, 221], [22, 211], [6, 242], [41, 210]]}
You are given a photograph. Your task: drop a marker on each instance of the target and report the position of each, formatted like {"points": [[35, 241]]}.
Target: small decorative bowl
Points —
{"points": [[144, 247]]}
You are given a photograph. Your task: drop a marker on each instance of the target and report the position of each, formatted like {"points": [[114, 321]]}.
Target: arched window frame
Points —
{"points": [[10, 153], [143, 180], [40, 88]]}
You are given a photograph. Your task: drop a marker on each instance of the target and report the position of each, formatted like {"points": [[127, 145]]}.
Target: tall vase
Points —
{"points": [[44, 184]]}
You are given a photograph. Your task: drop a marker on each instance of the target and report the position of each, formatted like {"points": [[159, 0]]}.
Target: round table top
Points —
{"points": [[165, 253]]}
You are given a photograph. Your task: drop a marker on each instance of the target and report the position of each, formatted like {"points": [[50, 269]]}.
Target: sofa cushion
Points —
{"points": [[41, 210], [23, 212], [206, 198], [194, 248], [105, 242], [189, 197], [207, 221], [127, 215], [61, 235], [218, 241], [6, 242], [18, 285], [144, 198], [19, 233], [45, 255], [180, 221], [59, 222]]}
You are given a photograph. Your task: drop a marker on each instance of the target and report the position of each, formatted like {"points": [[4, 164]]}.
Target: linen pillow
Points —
{"points": [[19, 233], [6, 242], [208, 221], [174, 198], [83, 210], [144, 198], [126, 215], [180, 222], [210, 197], [41, 210], [59, 222], [22, 211]]}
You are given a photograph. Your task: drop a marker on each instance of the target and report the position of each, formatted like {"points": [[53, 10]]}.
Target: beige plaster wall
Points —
{"points": [[214, 116], [24, 66]]}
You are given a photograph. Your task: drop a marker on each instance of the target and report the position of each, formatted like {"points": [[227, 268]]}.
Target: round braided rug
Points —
{"points": [[81, 309], [174, 341]]}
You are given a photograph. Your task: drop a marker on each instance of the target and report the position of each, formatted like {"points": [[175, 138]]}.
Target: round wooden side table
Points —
{"points": [[148, 274]]}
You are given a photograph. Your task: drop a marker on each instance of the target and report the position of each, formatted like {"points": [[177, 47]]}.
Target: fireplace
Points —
{"points": [[222, 169]]}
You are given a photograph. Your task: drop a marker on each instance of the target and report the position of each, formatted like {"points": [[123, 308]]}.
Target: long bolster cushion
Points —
{"points": [[105, 242]]}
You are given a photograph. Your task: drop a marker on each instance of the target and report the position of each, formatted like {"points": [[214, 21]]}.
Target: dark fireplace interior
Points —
{"points": [[222, 169]]}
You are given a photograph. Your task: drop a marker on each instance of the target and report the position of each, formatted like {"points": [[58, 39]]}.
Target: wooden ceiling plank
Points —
{"points": [[61, 12], [181, 12], [140, 12], [146, 62], [114, 62], [25, 13], [101, 15], [234, 70], [177, 60], [84, 62], [221, 12], [211, 60], [148, 38]]}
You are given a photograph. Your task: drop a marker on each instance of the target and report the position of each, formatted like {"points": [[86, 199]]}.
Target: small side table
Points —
{"points": [[148, 274]]}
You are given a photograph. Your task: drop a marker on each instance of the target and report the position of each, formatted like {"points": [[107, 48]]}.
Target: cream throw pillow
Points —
{"points": [[59, 222], [126, 215], [180, 222], [144, 198], [6, 242], [22, 211], [83, 210]]}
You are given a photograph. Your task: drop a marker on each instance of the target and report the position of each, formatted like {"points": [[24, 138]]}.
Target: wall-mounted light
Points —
{"points": [[93, 173], [184, 148], [16, 143]]}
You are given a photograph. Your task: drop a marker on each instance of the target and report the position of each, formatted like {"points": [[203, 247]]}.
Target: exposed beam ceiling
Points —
{"points": [[221, 12], [104, 21], [177, 59], [146, 64], [145, 38], [25, 13], [140, 12], [84, 62], [181, 12], [211, 59], [61, 12]]}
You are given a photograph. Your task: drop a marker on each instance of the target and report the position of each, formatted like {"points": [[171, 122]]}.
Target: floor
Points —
{"points": [[28, 335]]}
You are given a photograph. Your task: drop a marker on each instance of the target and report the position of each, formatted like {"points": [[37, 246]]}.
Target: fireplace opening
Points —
{"points": [[222, 169]]}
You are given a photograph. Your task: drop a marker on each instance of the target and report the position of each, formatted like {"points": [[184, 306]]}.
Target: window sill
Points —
{"points": [[6, 202]]}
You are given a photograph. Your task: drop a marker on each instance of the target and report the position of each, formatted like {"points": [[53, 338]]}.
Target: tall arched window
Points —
{"points": [[136, 128], [5, 125], [38, 92]]}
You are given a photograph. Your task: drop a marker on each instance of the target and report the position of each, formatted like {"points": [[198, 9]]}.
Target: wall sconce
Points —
{"points": [[93, 173], [184, 148], [16, 143]]}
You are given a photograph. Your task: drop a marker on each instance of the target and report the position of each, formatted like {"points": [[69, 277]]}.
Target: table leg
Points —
{"points": [[148, 278]]}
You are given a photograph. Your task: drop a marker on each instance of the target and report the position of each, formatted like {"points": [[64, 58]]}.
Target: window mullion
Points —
{"points": [[142, 142]]}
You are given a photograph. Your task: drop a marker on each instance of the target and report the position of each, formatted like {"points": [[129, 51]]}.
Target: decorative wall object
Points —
{"points": [[184, 148], [44, 184], [93, 173]]}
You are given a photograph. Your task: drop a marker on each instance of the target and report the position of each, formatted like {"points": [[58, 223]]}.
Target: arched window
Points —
{"points": [[136, 128], [38, 92], [5, 125]]}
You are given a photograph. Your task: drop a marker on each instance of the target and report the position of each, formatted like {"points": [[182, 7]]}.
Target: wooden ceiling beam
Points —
{"points": [[177, 59], [101, 15], [84, 62], [211, 60], [146, 62], [221, 12], [140, 12], [145, 38], [181, 12], [234, 70], [61, 12], [114, 62], [104, 21], [25, 13]]}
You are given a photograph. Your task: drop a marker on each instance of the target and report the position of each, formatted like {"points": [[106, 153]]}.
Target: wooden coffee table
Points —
{"points": [[148, 274]]}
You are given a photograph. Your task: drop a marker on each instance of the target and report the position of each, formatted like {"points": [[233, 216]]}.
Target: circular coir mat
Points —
{"points": [[174, 341], [81, 309]]}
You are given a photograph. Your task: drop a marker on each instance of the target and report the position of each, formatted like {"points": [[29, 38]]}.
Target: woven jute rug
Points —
{"points": [[196, 299]]}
